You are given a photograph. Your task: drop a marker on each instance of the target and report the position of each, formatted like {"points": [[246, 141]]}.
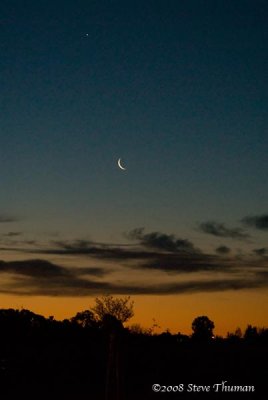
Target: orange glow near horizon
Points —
{"points": [[227, 310]]}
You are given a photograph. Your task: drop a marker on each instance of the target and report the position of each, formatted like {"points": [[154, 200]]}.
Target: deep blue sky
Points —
{"points": [[178, 89]]}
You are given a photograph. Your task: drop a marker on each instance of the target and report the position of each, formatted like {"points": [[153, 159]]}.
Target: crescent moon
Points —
{"points": [[120, 164]]}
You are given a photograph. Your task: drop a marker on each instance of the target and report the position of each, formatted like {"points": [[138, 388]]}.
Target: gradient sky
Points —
{"points": [[179, 91]]}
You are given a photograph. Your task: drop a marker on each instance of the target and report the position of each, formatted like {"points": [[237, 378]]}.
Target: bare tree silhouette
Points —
{"points": [[120, 308]]}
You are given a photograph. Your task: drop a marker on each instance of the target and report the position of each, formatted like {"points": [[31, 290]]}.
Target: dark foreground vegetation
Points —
{"points": [[83, 357]]}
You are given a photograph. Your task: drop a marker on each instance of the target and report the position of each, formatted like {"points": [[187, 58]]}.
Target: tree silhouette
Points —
{"points": [[112, 313], [251, 333], [106, 358], [86, 319], [120, 308], [202, 328]]}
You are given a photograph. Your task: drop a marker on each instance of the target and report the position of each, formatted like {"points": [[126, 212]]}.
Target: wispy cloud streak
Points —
{"points": [[219, 229]]}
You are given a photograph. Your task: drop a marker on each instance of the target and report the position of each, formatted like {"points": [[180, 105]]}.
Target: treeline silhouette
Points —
{"points": [[99, 359]]}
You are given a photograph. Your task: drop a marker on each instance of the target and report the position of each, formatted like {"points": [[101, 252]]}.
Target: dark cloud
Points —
{"points": [[45, 269], [223, 250], [98, 251], [8, 218], [154, 251], [75, 286], [263, 274], [33, 268], [42, 277], [199, 286], [76, 245], [31, 242], [93, 271], [12, 234], [220, 230], [261, 252], [150, 253], [94, 250], [257, 221], [180, 262], [219, 285], [173, 263], [183, 257], [161, 241], [71, 286]]}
